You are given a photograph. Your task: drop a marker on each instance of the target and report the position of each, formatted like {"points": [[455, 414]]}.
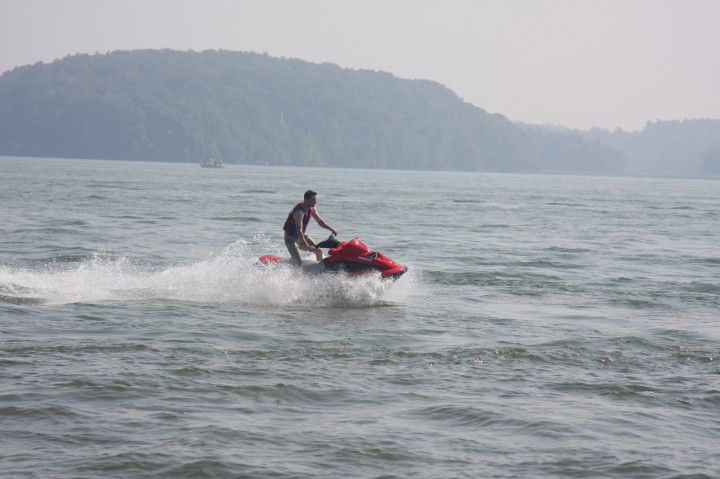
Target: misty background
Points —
{"points": [[545, 85], [595, 63]]}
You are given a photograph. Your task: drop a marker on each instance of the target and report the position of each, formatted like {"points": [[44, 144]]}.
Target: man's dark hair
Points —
{"points": [[309, 194]]}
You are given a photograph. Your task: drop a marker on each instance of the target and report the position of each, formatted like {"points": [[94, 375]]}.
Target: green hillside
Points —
{"points": [[248, 108]]}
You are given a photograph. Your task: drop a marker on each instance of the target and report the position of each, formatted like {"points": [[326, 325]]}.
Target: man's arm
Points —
{"points": [[323, 224], [298, 217]]}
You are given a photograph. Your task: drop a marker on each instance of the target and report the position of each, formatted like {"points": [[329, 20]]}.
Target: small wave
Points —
{"points": [[251, 219], [561, 203], [50, 230], [458, 416], [563, 249], [251, 191], [125, 217], [41, 412], [460, 278], [289, 394], [545, 263], [515, 283], [17, 294]]}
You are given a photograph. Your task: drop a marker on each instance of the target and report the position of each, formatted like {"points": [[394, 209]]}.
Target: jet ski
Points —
{"points": [[352, 258]]}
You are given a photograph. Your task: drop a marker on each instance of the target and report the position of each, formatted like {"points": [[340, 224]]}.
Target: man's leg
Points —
{"points": [[292, 248]]}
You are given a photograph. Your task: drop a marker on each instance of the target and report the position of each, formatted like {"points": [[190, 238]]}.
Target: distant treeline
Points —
{"points": [[247, 108], [667, 148], [250, 108]]}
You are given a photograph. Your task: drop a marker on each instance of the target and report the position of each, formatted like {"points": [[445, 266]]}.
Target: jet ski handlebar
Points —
{"points": [[330, 242]]}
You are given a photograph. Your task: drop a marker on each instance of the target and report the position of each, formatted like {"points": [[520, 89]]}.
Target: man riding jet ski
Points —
{"points": [[350, 257]]}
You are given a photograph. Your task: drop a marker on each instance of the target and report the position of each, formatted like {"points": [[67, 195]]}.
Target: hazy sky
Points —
{"points": [[578, 63]]}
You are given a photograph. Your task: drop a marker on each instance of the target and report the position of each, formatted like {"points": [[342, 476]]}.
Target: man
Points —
{"points": [[296, 224]]}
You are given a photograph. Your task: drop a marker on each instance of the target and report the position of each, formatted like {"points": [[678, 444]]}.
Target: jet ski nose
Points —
{"points": [[396, 275]]}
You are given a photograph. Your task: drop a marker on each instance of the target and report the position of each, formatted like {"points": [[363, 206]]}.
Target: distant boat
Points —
{"points": [[213, 164]]}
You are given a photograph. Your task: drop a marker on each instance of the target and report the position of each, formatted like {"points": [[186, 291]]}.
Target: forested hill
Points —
{"points": [[248, 108]]}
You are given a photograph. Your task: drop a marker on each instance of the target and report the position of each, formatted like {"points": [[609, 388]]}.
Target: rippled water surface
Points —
{"points": [[550, 326]]}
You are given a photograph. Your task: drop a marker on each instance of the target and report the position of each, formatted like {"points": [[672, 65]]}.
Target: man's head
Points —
{"points": [[310, 198]]}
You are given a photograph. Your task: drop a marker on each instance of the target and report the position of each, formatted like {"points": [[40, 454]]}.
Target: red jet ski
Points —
{"points": [[350, 257]]}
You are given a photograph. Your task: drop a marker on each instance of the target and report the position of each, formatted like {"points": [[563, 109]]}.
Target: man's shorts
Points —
{"points": [[291, 242]]}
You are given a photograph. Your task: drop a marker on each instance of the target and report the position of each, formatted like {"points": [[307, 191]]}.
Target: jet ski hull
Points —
{"points": [[352, 258]]}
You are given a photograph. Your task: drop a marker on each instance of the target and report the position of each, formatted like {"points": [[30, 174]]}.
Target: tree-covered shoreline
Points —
{"points": [[247, 108], [165, 105]]}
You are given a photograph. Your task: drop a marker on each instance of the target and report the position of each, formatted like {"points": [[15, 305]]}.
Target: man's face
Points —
{"points": [[312, 200]]}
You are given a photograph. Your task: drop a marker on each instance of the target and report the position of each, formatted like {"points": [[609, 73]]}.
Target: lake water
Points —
{"points": [[549, 326]]}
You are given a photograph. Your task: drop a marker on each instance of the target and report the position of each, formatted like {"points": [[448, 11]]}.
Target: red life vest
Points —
{"points": [[290, 227]]}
